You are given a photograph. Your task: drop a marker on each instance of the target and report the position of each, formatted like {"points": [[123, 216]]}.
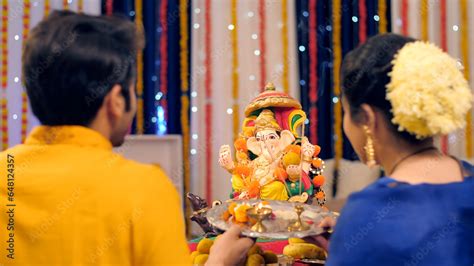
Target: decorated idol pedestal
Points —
{"points": [[276, 179]]}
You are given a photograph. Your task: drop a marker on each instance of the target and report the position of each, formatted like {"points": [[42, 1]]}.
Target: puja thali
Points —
{"points": [[269, 219]]}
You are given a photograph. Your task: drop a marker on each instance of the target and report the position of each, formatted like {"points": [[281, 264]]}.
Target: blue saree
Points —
{"points": [[393, 223]]}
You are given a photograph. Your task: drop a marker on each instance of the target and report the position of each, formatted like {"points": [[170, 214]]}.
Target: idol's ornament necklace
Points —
{"points": [[408, 156]]}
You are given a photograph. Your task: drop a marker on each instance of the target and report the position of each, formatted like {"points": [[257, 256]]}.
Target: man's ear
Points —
{"points": [[368, 116], [254, 146], [114, 101]]}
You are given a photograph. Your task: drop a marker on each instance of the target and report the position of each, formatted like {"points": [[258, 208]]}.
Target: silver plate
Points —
{"points": [[277, 228]]}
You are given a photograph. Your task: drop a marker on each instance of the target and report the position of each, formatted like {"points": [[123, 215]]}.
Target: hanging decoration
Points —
{"points": [[313, 72], [404, 17], [382, 6], [284, 35], [164, 57], [208, 97], [109, 7], [362, 21], [424, 20], [80, 6], [463, 10], [337, 60], [4, 74], [24, 98], [65, 4], [184, 75], [235, 70], [444, 46], [261, 33], [139, 25]]}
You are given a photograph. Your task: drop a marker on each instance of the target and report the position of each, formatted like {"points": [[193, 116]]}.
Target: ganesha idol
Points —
{"points": [[273, 159]]}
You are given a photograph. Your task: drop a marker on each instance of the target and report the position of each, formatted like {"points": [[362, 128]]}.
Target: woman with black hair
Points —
{"points": [[398, 94]]}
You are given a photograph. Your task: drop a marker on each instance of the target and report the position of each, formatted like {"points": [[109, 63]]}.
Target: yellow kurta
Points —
{"points": [[77, 202]]}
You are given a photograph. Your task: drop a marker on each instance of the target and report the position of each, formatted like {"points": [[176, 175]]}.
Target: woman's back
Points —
{"points": [[394, 223]]}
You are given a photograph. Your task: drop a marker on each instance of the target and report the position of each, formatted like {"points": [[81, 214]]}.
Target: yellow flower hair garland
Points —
{"points": [[428, 92]]}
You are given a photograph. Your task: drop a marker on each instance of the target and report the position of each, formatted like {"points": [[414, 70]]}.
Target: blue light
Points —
{"points": [[355, 19], [305, 14], [161, 123], [302, 82], [306, 121], [132, 13], [154, 78], [376, 18], [158, 96], [328, 28], [302, 48]]}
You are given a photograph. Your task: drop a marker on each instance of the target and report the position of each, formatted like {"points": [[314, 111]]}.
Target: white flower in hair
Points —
{"points": [[428, 92]]}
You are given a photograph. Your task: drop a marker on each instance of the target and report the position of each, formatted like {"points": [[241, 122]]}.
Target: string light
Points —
{"points": [[455, 27], [254, 36], [154, 78], [16, 79], [229, 111], [250, 14], [256, 52], [302, 48], [335, 99], [154, 119], [197, 10], [231, 27], [193, 151], [158, 96], [355, 19], [132, 13], [15, 116], [196, 26], [328, 28], [376, 17], [194, 94], [252, 77], [194, 109], [305, 13], [195, 136], [17, 37], [302, 82]]}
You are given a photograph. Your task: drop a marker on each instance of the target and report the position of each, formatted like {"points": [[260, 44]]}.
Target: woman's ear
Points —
{"points": [[368, 116]]}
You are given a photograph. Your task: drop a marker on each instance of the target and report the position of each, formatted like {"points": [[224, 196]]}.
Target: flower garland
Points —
{"points": [[4, 74], [80, 6], [382, 6], [444, 47], [427, 109], [313, 72], [235, 71], [362, 21], [139, 24], [24, 98], [337, 60], [208, 97], [184, 75], [463, 9], [65, 5], [164, 57], [424, 20], [109, 7], [261, 33], [404, 16], [284, 36]]}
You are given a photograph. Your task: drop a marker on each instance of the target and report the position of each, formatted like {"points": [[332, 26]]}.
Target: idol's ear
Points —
{"points": [[253, 145], [286, 138]]}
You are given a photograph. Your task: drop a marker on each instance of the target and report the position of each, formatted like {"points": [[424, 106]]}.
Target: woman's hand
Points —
{"points": [[322, 240], [230, 248]]}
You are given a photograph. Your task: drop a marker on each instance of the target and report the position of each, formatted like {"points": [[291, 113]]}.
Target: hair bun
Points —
{"points": [[428, 93]]}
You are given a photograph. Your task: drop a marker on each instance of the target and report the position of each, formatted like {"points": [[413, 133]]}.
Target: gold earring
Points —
{"points": [[369, 149]]}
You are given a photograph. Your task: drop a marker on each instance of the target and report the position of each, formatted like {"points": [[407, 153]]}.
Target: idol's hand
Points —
{"points": [[230, 248], [225, 158], [322, 240], [307, 148]]}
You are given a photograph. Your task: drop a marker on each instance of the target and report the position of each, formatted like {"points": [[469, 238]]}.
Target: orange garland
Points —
{"points": [[463, 10], [235, 70], [284, 36], [24, 98], [80, 6], [4, 74], [139, 24], [65, 5], [337, 54], [382, 16], [47, 7], [424, 20]]}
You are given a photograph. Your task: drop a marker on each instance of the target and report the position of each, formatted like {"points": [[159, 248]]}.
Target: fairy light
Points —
{"points": [[194, 109], [455, 27], [256, 52], [196, 26], [250, 14], [230, 111], [195, 136], [254, 36], [231, 27], [252, 77]]}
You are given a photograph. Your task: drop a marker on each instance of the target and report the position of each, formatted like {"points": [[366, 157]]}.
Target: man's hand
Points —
{"points": [[230, 248], [322, 240]]}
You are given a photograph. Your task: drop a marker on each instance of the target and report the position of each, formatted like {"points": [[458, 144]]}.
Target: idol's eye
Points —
{"points": [[272, 137], [258, 138]]}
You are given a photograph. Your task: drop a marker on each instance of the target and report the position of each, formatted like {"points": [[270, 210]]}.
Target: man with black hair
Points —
{"points": [[70, 199]]}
